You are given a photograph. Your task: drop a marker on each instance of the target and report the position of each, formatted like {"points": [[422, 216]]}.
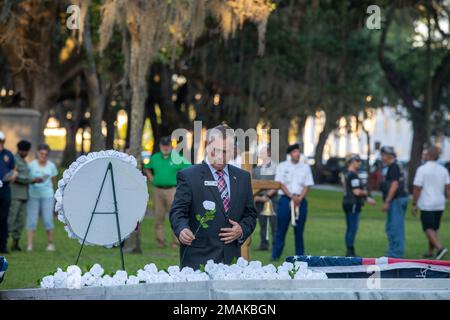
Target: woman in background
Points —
{"points": [[41, 196], [354, 197]]}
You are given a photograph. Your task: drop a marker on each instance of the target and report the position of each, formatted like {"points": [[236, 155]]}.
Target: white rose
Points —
{"points": [[187, 270], [132, 280], [107, 281], [300, 266], [173, 270], [47, 282], [97, 270], [74, 281], [88, 280], [142, 275], [121, 274], [288, 265], [255, 264], [151, 268], [73, 270], [241, 262], [270, 268], [120, 278], [209, 205], [60, 278]]}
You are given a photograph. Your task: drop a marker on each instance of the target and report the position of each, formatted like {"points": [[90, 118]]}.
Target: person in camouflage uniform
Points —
{"points": [[19, 194]]}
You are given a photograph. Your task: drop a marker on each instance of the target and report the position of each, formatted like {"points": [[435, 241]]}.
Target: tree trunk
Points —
{"points": [[301, 123], [96, 98], [330, 124], [70, 152], [282, 124], [110, 118], [420, 138], [137, 112]]}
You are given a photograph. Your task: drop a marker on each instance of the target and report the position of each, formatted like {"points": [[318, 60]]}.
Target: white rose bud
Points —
{"points": [[209, 205]]}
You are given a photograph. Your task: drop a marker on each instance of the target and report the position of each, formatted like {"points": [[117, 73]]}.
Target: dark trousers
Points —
{"points": [[263, 221], [5, 202], [352, 214], [283, 223]]}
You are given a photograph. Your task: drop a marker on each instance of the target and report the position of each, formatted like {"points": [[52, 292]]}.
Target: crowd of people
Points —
{"points": [[26, 190]]}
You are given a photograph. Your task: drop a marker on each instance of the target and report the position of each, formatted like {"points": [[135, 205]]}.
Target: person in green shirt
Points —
{"points": [[19, 194], [162, 172]]}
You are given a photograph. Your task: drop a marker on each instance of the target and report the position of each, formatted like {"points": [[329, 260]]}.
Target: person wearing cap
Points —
{"points": [[19, 194], [162, 172], [296, 178], [7, 175], [40, 198], [395, 202], [431, 183], [353, 200]]}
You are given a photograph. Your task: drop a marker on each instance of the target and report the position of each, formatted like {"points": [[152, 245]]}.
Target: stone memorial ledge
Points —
{"points": [[334, 289]]}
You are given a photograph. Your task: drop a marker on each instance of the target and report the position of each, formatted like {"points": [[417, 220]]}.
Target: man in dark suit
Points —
{"points": [[229, 188]]}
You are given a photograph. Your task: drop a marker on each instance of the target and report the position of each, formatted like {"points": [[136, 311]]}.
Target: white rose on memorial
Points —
{"points": [[132, 280], [74, 281], [172, 270], [97, 271], [107, 281], [151, 268], [88, 280], [241, 262], [209, 205], [60, 278], [73, 270], [120, 278], [48, 282]]}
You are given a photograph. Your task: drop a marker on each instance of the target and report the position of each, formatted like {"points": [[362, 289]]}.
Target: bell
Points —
{"points": [[267, 210]]}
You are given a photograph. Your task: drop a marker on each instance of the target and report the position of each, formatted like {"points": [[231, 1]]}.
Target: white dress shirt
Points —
{"points": [[295, 176]]}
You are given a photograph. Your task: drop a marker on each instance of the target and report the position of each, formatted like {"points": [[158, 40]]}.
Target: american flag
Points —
{"points": [[356, 267]]}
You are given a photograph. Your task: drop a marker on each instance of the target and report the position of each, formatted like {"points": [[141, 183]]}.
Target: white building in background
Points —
{"points": [[389, 126]]}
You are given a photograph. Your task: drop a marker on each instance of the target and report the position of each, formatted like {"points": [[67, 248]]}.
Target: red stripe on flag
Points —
{"points": [[432, 262], [368, 261]]}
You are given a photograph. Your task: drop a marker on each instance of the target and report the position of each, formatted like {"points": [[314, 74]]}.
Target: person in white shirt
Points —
{"points": [[431, 183], [296, 179]]}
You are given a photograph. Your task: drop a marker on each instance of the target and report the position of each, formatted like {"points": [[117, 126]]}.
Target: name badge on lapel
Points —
{"points": [[211, 183]]}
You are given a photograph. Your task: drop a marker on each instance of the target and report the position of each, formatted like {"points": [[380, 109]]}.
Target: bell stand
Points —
{"points": [[115, 212]]}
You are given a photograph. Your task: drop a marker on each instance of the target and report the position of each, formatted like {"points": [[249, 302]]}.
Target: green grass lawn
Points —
{"points": [[324, 235]]}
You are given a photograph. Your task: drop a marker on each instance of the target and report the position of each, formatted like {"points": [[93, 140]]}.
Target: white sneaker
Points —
{"points": [[51, 247], [29, 248]]}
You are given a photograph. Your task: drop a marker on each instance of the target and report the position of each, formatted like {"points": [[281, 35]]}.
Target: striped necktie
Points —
{"points": [[223, 190]]}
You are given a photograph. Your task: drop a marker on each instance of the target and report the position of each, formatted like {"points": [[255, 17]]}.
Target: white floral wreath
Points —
{"points": [[71, 171]]}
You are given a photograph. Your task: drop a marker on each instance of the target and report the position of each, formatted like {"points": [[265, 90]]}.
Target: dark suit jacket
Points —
{"points": [[190, 194]]}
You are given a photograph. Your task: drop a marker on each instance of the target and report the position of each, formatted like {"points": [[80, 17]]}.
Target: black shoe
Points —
{"points": [[441, 253], [263, 248], [351, 252], [4, 251], [428, 255], [16, 248]]}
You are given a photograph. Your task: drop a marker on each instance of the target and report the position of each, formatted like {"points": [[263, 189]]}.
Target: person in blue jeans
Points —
{"points": [[40, 198], [395, 202], [296, 179], [353, 201]]}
